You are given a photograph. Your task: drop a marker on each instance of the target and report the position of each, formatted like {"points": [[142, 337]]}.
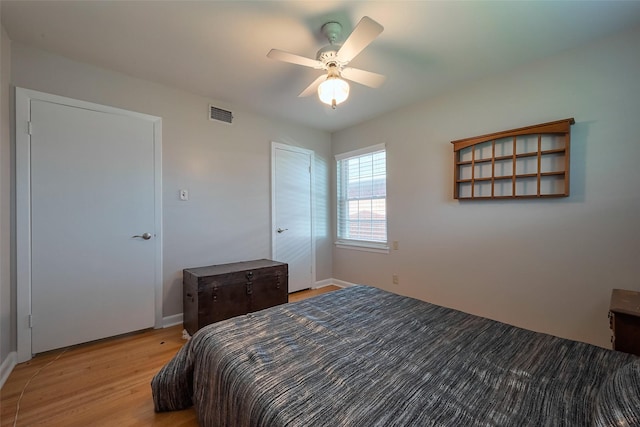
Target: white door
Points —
{"points": [[293, 240], [92, 191]]}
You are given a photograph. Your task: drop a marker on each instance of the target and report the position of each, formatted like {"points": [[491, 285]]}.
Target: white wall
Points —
{"points": [[547, 265], [7, 325], [224, 167]]}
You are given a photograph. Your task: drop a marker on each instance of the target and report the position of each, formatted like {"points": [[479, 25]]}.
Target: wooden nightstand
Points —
{"points": [[624, 320]]}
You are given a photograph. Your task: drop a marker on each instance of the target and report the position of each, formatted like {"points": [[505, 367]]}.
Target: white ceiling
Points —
{"points": [[218, 49]]}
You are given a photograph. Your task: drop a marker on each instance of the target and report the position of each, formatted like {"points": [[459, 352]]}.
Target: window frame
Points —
{"points": [[363, 245]]}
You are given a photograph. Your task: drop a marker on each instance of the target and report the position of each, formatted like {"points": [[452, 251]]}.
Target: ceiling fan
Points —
{"points": [[332, 87]]}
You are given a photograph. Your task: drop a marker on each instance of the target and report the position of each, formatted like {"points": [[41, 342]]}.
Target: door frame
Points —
{"points": [[23, 98], [280, 146]]}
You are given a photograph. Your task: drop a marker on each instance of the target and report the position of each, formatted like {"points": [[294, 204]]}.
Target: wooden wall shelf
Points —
{"points": [[528, 162]]}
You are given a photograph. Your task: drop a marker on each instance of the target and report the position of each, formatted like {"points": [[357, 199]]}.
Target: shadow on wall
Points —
{"points": [[577, 173]]}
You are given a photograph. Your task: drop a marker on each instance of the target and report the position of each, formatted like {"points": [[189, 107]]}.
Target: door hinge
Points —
{"points": [[309, 169], [31, 320], [29, 128]]}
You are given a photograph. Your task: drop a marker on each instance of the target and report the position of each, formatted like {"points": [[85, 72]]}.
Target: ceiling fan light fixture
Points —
{"points": [[333, 91]]}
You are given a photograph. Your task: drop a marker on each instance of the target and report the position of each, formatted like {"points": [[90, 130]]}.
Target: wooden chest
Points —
{"points": [[624, 320], [219, 292]]}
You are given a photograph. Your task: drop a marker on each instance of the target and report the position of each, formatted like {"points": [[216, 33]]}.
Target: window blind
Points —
{"points": [[362, 195]]}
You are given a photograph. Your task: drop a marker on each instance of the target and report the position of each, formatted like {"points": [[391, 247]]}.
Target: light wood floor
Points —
{"points": [[105, 383]]}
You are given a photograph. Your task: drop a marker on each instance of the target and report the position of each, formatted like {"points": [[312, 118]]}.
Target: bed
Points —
{"points": [[361, 356]]}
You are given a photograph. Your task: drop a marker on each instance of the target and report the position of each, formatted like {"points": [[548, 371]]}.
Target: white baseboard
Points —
{"points": [[173, 320], [335, 282], [7, 366], [322, 284]]}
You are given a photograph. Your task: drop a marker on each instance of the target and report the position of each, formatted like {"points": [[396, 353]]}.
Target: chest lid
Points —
{"points": [[215, 270], [625, 301]]}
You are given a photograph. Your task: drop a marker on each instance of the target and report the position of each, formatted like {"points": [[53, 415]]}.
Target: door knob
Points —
{"points": [[281, 230], [145, 236]]}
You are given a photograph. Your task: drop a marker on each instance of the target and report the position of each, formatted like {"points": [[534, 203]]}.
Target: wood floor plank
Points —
{"points": [[104, 383]]}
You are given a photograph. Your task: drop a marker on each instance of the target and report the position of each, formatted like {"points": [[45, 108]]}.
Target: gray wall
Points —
{"points": [[547, 265], [225, 167]]}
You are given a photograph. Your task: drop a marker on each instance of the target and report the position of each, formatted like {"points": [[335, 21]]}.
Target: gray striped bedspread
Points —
{"points": [[365, 357]]}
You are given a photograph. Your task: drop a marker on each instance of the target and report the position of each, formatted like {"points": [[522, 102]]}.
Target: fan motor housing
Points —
{"points": [[328, 54]]}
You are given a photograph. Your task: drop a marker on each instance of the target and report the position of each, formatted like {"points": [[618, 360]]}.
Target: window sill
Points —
{"points": [[381, 248]]}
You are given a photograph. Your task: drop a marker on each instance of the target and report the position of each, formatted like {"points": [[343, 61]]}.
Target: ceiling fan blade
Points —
{"points": [[363, 77], [281, 55], [313, 87], [363, 34]]}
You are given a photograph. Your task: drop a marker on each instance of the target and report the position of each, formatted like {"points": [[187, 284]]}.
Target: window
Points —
{"points": [[362, 198]]}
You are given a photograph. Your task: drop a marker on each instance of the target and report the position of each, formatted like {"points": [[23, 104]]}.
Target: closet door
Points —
{"points": [[92, 193]]}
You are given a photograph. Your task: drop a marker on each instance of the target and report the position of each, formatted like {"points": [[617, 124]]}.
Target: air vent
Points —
{"points": [[219, 114]]}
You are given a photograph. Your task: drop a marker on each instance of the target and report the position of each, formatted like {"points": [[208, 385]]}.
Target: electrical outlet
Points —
{"points": [[395, 245], [394, 279]]}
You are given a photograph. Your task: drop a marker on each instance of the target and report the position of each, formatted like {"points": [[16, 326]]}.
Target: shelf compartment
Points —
{"points": [[551, 184], [542, 196], [510, 157], [510, 177]]}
